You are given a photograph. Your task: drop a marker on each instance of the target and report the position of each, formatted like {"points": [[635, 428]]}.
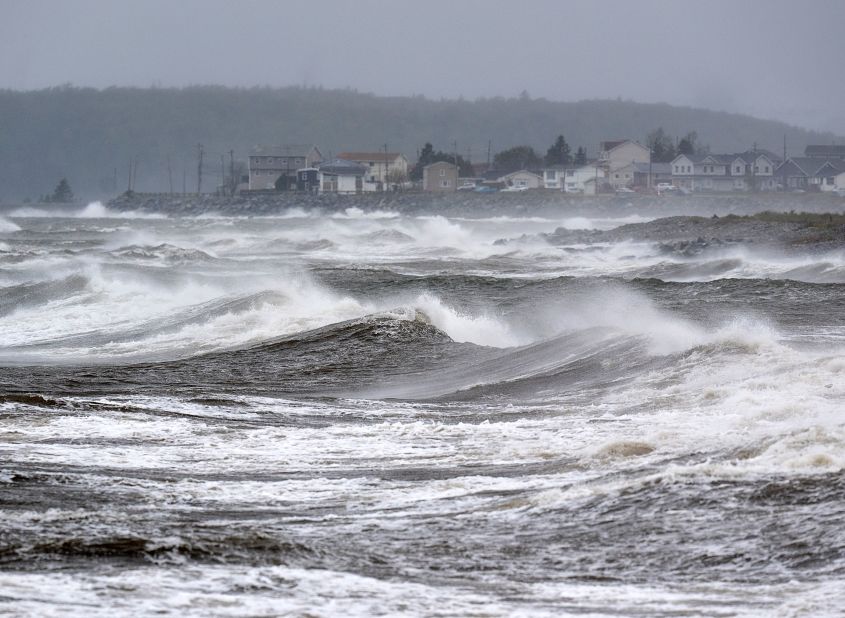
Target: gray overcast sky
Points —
{"points": [[771, 58]]}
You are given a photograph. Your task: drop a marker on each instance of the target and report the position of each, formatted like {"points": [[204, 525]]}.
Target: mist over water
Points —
{"points": [[378, 413]]}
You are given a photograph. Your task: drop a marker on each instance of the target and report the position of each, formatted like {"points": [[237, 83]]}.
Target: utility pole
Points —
{"points": [[184, 177], [170, 174], [129, 182], [199, 168], [386, 169], [222, 174], [233, 184], [489, 150]]}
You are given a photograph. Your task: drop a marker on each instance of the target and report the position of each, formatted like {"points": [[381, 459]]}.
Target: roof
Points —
{"points": [[379, 157], [440, 164], [342, 167], [286, 150], [613, 144], [608, 146], [819, 150], [810, 166], [520, 172]]}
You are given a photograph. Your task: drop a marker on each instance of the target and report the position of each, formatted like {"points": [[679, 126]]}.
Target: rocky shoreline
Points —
{"points": [[691, 235], [529, 203]]}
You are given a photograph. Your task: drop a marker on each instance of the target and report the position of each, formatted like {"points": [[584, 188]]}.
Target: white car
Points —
{"points": [[514, 189], [665, 186]]}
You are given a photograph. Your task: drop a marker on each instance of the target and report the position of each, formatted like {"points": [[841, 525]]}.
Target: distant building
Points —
{"points": [[554, 177], [384, 168], [811, 173], [745, 171], [620, 153], [274, 167], [340, 176], [825, 152], [522, 179], [585, 179], [440, 177]]}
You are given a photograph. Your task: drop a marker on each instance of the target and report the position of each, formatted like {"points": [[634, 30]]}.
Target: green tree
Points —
{"points": [[581, 156], [62, 193], [517, 158], [558, 153], [661, 146]]}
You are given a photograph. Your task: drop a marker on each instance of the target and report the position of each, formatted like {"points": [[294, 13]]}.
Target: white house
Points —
{"points": [[522, 179], [382, 167], [725, 172], [554, 178], [340, 176], [584, 179]]}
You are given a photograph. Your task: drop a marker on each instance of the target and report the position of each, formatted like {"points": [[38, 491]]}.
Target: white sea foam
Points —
{"points": [[7, 226], [93, 210]]}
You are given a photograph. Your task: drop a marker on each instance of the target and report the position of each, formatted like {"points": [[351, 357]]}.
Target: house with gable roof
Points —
{"points": [[620, 153], [749, 170], [274, 167], [383, 167]]}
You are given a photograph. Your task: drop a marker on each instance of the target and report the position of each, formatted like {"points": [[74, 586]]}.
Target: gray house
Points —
{"points": [[440, 176], [274, 167]]}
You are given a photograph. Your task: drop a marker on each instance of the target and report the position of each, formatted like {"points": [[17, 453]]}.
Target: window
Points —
{"points": [[766, 169], [756, 169], [445, 183], [676, 169], [443, 173], [737, 169]]}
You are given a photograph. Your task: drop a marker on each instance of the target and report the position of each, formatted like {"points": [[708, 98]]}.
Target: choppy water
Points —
{"points": [[373, 414]]}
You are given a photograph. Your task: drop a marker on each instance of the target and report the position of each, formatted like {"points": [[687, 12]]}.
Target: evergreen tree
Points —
{"points": [[517, 158], [559, 153], [62, 193], [581, 156]]}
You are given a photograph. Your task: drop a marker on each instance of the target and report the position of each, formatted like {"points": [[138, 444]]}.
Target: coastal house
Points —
{"points": [[810, 173], [274, 167], [383, 168], [585, 179], [522, 179], [750, 170], [340, 176], [553, 177], [825, 178], [620, 153], [440, 176]]}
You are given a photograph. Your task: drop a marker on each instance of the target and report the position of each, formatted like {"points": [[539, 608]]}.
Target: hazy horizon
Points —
{"points": [[754, 58]]}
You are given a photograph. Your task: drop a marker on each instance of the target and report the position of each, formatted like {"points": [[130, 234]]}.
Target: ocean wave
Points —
{"points": [[93, 210], [7, 226]]}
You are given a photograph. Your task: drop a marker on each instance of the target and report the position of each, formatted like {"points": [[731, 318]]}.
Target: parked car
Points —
{"points": [[485, 189], [467, 186], [514, 189], [624, 190], [665, 186]]}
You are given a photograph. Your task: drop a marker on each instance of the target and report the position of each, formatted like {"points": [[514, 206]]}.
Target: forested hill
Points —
{"points": [[90, 136]]}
